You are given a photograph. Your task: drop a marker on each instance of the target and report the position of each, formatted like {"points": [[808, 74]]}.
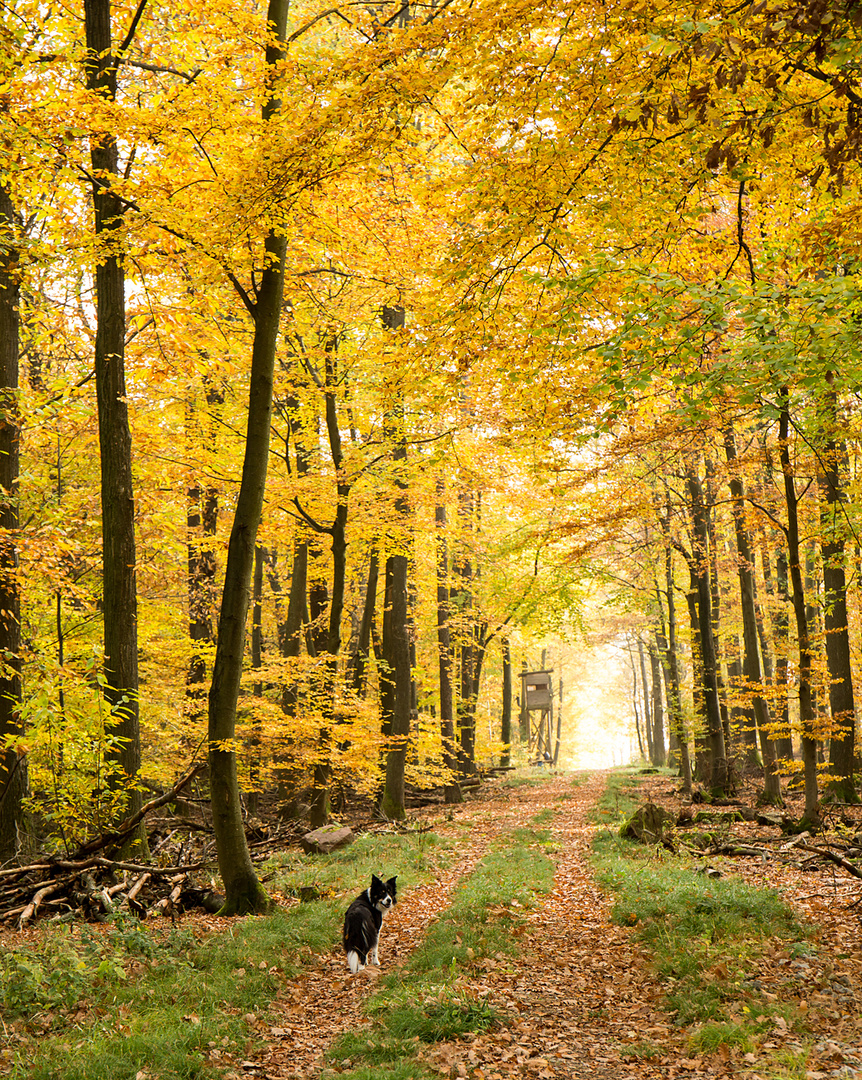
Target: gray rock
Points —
{"points": [[327, 838]]}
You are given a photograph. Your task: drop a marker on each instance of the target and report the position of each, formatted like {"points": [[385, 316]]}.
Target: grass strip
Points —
{"points": [[134, 999], [708, 937], [430, 999]]}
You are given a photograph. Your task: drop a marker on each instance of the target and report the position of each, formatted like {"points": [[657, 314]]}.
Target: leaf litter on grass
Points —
{"points": [[580, 999]]}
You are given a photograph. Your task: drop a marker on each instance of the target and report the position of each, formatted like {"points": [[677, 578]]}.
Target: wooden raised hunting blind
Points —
{"points": [[538, 691], [537, 696]]}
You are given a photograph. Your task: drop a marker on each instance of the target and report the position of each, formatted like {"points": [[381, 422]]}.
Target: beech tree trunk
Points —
{"points": [[243, 891], [718, 780], [119, 602], [646, 698], [358, 665], [842, 745], [462, 597], [506, 712], [658, 744], [202, 522], [668, 645], [523, 711], [15, 838], [751, 667], [635, 708], [777, 588], [332, 643], [676, 721], [811, 814], [452, 790], [396, 678]]}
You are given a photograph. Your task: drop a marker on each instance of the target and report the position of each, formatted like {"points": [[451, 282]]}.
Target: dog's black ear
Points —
{"points": [[390, 884], [375, 880]]}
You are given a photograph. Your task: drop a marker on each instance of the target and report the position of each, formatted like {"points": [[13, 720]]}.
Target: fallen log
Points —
{"points": [[30, 910], [825, 853], [138, 885]]}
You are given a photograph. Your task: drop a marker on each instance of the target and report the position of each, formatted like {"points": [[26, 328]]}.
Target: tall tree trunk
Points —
{"points": [[719, 780], [291, 630], [243, 891], [15, 832], [702, 756], [751, 668], [332, 643], [635, 709], [715, 598], [358, 665], [395, 685], [743, 722], [202, 523], [806, 702], [673, 695], [833, 461], [297, 616], [120, 603], [523, 711], [463, 603], [780, 635], [396, 682], [506, 712], [658, 745], [814, 619], [452, 789], [647, 699], [253, 793], [676, 719]]}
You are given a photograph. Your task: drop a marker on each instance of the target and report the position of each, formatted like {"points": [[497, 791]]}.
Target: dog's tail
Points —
{"points": [[354, 961]]}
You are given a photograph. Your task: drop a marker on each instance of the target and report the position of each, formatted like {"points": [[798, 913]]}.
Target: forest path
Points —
{"points": [[577, 988], [577, 995], [317, 1006]]}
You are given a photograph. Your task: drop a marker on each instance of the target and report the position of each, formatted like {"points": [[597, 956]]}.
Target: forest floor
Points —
{"points": [[580, 997]]}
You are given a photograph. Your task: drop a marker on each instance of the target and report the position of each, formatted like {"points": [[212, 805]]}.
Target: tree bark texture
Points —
{"points": [[506, 711], [751, 667], [833, 458], [646, 697], [120, 605], [202, 522], [806, 699], [358, 665], [658, 743], [396, 678], [332, 643], [15, 838], [243, 891], [452, 790], [718, 779], [673, 696]]}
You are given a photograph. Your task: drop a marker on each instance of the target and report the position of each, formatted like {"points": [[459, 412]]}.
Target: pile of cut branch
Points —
{"points": [[91, 883]]}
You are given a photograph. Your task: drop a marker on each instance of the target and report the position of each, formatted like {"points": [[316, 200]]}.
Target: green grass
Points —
{"points": [[165, 1005], [85, 1006], [413, 856], [706, 936], [430, 998]]}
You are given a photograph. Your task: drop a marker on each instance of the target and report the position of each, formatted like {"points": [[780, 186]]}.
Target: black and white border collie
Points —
{"points": [[362, 923]]}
